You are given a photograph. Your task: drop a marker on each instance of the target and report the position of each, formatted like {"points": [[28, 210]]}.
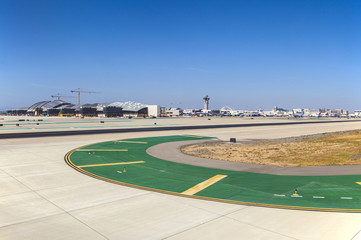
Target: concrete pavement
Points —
{"points": [[43, 198]]}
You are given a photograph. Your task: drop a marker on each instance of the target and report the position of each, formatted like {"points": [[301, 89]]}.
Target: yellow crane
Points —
{"points": [[58, 96], [78, 91]]}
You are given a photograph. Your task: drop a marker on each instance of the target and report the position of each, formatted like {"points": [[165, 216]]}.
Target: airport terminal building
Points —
{"points": [[65, 109]]}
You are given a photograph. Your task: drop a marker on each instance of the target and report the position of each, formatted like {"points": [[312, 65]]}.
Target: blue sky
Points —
{"points": [[243, 54]]}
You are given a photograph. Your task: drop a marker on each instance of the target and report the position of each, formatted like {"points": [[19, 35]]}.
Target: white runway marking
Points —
{"points": [[318, 197]]}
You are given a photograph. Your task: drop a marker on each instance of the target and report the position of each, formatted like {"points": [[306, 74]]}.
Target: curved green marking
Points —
{"points": [[238, 187]]}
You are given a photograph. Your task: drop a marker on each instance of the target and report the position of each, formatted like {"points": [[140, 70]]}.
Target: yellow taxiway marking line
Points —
{"points": [[132, 142], [358, 183], [199, 187], [192, 136], [103, 150], [109, 164]]}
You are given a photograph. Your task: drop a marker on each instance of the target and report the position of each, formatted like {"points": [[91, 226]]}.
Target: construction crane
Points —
{"points": [[78, 91], [58, 96]]}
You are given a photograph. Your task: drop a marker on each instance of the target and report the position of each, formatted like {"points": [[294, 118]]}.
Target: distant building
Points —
{"points": [[42, 107], [278, 109], [17, 112], [280, 112], [333, 112], [357, 113], [68, 111], [297, 112], [206, 102], [188, 112], [173, 112], [307, 112], [338, 112], [153, 110], [113, 111], [62, 108], [89, 110]]}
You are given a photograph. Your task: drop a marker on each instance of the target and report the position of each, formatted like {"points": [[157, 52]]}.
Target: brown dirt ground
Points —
{"points": [[340, 148]]}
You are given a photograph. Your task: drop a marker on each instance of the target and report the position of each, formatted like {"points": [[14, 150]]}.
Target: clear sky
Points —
{"points": [[243, 54]]}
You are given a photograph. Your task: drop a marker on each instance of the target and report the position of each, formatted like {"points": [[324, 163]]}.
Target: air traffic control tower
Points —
{"points": [[206, 102]]}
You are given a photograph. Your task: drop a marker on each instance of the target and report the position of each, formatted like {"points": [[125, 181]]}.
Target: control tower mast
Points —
{"points": [[206, 102]]}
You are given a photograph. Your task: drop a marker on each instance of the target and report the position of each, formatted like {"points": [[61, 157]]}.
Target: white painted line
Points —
{"points": [[119, 172], [296, 196], [279, 195], [318, 197], [346, 197]]}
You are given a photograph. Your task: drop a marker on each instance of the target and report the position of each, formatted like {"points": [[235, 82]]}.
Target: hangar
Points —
{"points": [[62, 108], [42, 107]]}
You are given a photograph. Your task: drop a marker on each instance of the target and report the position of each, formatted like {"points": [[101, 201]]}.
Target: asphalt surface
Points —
{"points": [[155, 128]]}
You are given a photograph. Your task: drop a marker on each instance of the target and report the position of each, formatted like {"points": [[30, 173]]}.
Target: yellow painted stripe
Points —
{"points": [[199, 187], [358, 183], [109, 164], [132, 142], [103, 150], [71, 164], [193, 136]]}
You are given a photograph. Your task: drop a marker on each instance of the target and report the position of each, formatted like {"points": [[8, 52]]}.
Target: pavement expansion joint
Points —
{"points": [[256, 226]]}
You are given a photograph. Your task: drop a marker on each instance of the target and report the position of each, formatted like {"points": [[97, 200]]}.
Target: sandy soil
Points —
{"points": [[339, 148]]}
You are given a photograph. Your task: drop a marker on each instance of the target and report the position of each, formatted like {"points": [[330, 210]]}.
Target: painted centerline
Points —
{"points": [[110, 164], [240, 187], [132, 142], [199, 187], [102, 150], [192, 136]]}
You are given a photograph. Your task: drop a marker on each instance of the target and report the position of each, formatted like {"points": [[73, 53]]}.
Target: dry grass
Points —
{"points": [[342, 149]]}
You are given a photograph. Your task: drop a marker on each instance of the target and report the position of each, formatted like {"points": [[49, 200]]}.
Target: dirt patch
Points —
{"points": [[339, 148]]}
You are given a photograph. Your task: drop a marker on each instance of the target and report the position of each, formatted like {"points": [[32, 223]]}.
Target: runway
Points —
{"points": [[43, 198], [158, 128]]}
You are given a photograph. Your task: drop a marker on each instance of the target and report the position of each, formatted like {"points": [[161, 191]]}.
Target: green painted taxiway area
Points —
{"points": [[126, 162]]}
